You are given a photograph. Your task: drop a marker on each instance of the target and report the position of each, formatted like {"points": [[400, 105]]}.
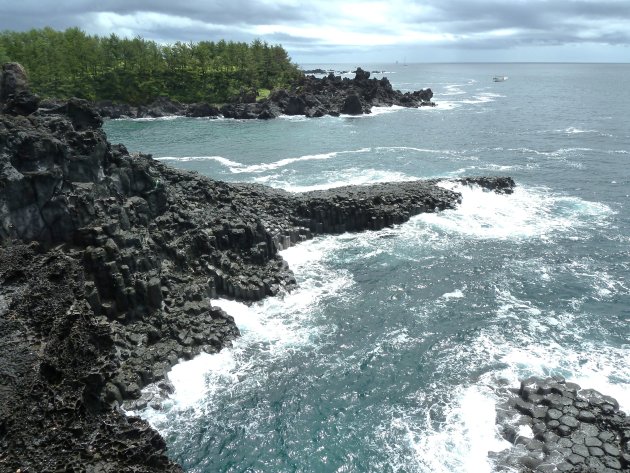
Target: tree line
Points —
{"points": [[69, 63]]}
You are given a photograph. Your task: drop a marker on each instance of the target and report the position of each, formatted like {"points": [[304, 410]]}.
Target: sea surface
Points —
{"points": [[387, 356]]}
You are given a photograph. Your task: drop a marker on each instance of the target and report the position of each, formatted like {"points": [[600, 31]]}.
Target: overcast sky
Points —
{"points": [[327, 31]]}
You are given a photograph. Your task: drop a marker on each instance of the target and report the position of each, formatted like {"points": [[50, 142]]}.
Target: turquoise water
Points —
{"points": [[387, 356]]}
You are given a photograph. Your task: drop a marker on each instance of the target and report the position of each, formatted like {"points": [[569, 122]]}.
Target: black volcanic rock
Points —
{"points": [[15, 96], [22, 103], [202, 110], [352, 105], [13, 80], [572, 429], [332, 95]]}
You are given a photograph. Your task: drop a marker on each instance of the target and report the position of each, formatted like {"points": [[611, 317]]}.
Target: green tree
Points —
{"points": [[137, 71]]}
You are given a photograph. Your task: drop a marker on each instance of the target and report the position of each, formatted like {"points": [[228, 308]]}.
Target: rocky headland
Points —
{"points": [[108, 263], [310, 97]]}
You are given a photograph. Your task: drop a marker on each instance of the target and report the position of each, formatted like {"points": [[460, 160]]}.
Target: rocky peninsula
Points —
{"points": [[108, 262], [310, 97]]}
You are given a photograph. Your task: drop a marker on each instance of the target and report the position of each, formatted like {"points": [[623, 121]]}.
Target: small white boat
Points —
{"points": [[500, 78]]}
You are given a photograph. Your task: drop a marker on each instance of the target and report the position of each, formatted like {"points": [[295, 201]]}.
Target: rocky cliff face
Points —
{"points": [[108, 262]]}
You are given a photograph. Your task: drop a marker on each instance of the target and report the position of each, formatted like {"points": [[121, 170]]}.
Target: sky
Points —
{"points": [[348, 31]]}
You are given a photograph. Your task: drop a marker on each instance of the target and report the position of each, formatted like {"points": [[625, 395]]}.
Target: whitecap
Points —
{"points": [[375, 111], [219, 159], [287, 161], [346, 177], [456, 294], [527, 213], [458, 444], [151, 119]]}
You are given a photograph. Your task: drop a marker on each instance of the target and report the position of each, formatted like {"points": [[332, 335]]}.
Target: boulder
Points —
{"points": [[164, 106], [295, 105], [12, 81], [21, 103], [202, 109]]}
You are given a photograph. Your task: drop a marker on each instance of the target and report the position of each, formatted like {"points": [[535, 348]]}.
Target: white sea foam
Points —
{"points": [[443, 105], [238, 168], [604, 368], [271, 329], [340, 178], [451, 90], [384, 110], [552, 154], [457, 444], [456, 435], [295, 118], [457, 294], [481, 98], [219, 159], [151, 119], [527, 213], [573, 131]]}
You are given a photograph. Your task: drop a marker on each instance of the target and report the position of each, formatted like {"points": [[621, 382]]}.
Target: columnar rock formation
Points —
{"points": [[567, 429]]}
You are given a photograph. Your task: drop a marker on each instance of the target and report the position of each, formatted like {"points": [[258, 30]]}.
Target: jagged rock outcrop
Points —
{"points": [[311, 97], [334, 95], [15, 97]]}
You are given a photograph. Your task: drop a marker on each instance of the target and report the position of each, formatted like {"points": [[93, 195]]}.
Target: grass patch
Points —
{"points": [[262, 94]]}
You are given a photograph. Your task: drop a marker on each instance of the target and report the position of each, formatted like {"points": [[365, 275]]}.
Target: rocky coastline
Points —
{"points": [[108, 262], [311, 97]]}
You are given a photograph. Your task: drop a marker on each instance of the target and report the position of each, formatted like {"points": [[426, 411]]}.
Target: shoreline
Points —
{"points": [[310, 97], [108, 265]]}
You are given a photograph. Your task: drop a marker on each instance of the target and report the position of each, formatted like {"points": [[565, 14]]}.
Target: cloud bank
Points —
{"points": [[321, 30]]}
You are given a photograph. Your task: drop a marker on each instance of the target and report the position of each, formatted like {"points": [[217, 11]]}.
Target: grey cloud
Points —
{"points": [[540, 22], [470, 22], [234, 12]]}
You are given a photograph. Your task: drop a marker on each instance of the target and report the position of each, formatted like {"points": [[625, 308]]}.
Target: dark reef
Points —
{"points": [[108, 262]]}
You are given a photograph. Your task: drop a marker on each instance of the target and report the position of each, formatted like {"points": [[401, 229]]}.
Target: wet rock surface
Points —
{"points": [[556, 426], [108, 264], [311, 97]]}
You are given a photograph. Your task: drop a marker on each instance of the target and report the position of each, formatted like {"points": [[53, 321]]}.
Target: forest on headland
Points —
{"points": [[71, 63]]}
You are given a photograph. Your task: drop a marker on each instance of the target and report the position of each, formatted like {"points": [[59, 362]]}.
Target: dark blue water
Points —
{"points": [[387, 356]]}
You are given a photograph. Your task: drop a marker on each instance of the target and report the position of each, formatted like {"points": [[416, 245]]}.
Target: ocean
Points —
{"points": [[388, 355]]}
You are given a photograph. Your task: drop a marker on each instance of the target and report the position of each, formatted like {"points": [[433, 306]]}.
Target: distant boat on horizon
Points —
{"points": [[499, 78]]}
